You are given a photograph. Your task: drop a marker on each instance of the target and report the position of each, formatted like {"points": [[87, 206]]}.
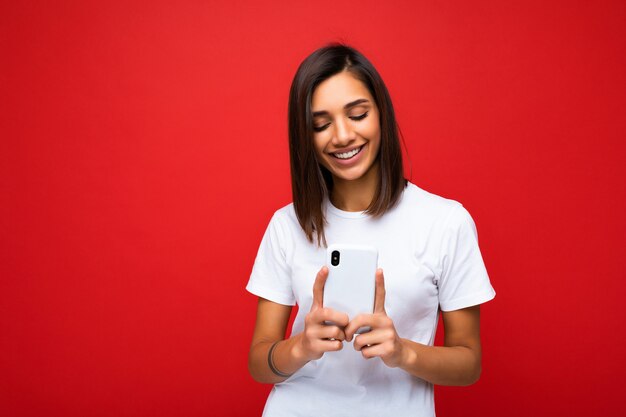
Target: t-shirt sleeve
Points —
{"points": [[271, 274], [464, 281]]}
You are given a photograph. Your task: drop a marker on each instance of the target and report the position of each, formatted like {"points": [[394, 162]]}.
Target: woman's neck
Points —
{"points": [[355, 195]]}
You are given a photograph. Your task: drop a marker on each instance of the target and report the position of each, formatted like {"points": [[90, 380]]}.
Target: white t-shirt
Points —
{"points": [[428, 249]]}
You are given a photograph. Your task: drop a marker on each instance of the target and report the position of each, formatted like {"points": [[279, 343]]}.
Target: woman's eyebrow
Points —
{"points": [[347, 106]]}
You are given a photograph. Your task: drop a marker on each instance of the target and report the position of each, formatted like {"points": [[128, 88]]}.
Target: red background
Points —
{"points": [[143, 150]]}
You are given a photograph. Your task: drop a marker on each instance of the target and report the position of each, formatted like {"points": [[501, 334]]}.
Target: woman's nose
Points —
{"points": [[344, 134]]}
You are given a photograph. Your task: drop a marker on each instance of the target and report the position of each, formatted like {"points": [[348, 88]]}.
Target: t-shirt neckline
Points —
{"points": [[345, 214], [330, 208]]}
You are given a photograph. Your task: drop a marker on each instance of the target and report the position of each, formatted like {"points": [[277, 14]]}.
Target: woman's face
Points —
{"points": [[346, 126]]}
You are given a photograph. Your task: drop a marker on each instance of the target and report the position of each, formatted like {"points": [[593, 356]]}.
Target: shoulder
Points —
{"points": [[284, 215], [446, 216], [285, 211], [284, 221], [437, 216], [428, 206]]}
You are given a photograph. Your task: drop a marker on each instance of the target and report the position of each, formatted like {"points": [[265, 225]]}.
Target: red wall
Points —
{"points": [[143, 150]]}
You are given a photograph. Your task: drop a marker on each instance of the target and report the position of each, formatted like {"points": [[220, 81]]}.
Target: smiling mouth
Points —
{"points": [[349, 154]]}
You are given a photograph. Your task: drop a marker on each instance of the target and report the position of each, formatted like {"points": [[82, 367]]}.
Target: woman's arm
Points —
{"points": [[271, 323], [458, 362], [292, 354]]}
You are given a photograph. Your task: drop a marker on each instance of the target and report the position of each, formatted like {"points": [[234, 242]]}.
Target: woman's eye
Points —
{"points": [[355, 118], [359, 117], [320, 128]]}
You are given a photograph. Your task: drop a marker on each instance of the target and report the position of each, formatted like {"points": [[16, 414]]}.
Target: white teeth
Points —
{"points": [[347, 155]]}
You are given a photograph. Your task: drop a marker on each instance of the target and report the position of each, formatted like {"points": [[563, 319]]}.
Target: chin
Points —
{"points": [[351, 175]]}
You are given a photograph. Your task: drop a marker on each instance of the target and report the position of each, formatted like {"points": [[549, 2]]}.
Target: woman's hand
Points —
{"points": [[317, 337], [292, 354], [458, 362], [382, 340]]}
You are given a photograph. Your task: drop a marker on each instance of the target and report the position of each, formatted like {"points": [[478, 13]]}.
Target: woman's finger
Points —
{"points": [[362, 320], [331, 345], [364, 340], [331, 332], [318, 288], [372, 351], [332, 317], [379, 300]]}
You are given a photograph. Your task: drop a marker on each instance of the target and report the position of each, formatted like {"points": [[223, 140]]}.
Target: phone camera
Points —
{"points": [[334, 258]]}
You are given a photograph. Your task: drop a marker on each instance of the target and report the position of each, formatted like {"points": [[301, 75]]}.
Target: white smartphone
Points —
{"points": [[351, 283]]}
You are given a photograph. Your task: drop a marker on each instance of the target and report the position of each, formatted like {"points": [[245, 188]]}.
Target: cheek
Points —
{"points": [[318, 145], [373, 134], [375, 148], [371, 129]]}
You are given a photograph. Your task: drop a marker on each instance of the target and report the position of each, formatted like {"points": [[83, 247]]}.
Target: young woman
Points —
{"points": [[348, 187]]}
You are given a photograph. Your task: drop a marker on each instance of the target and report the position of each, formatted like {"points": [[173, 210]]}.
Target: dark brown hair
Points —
{"points": [[310, 181]]}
